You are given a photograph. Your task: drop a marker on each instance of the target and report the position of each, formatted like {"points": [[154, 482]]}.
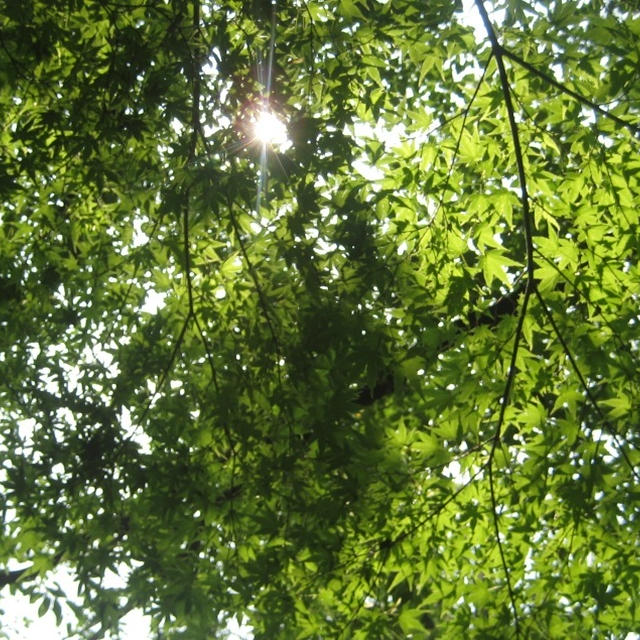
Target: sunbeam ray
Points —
{"points": [[262, 170]]}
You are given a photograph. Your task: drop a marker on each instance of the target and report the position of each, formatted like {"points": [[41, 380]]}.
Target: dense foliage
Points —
{"points": [[380, 383]]}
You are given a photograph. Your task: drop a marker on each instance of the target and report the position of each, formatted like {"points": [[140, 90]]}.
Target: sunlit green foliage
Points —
{"points": [[380, 383]]}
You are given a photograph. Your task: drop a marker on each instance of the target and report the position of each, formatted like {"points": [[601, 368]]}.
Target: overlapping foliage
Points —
{"points": [[380, 384]]}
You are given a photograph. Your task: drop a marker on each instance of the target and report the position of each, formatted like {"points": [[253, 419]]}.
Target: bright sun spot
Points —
{"points": [[269, 130]]}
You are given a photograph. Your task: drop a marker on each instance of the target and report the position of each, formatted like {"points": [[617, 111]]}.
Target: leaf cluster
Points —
{"points": [[379, 384]]}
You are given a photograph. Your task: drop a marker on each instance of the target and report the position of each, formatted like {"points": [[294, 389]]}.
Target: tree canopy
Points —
{"points": [[380, 381]]}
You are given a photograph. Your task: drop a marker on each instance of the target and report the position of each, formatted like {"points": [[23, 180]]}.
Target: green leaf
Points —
{"points": [[495, 265], [409, 621], [44, 607]]}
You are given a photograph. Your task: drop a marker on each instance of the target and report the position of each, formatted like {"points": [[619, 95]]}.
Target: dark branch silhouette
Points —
{"points": [[7, 578], [11, 577], [507, 305]]}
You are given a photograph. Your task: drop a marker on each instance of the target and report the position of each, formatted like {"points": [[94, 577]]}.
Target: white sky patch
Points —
{"points": [[367, 171], [470, 17], [454, 471], [222, 122], [239, 631], [20, 621], [132, 433], [153, 302], [176, 125]]}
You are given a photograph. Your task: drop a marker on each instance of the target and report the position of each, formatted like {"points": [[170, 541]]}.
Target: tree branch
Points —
{"points": [[506, 91], [11, 577], [570, 92], [531, 286], [8, 578], [594, 403]]}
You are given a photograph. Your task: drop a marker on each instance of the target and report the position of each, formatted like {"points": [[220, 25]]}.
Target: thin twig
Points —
{"points": [[465, 115], [25, 574], [583, 383], [191, 312], [496, 439], [583, 295], [195, 132], [570, 92], [256, 281], [165, 372]]}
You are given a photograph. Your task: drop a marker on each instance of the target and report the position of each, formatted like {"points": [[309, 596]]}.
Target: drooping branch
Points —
{"points": [[195, 132], [186, 238], [583, 383], [465, 115]]}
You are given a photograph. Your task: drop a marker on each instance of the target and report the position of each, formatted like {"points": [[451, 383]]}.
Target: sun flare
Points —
{"points": [[268, 129]]}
